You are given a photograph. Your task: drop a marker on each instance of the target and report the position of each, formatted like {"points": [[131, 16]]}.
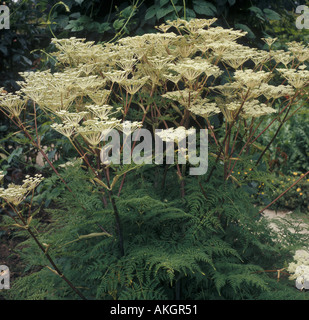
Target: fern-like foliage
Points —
{"points": [[208, 244]]}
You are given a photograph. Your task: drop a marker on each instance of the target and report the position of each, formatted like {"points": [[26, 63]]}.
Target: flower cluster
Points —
{"points": [[12, 103], [15, 194], [300, 269], [175, 134], [297, 78], [187, 70]]}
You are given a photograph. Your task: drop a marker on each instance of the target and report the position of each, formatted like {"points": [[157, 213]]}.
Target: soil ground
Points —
{"points": [[296, 223]]}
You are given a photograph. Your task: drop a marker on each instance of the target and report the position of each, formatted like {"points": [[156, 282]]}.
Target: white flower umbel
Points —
{"points": [[176, 135], [300, 269], [204, 108], [66, 129], [250, 79], [71, 117], [297, 78], [299, 50], [15, 194], [13, 104], [102, 112]]}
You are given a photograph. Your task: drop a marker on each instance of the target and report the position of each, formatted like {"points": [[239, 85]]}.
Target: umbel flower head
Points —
{"points": [[253, 108], [184, 97], [30, 183], [251, 79], [175, 134], [299, 51], [186, 62], [299, 269], [102, 112], [72, 118], [15, 194], [92, 130], [296, 78], [133, 85], [191, 69], [204, 108], [12, 103], [67, 129]]}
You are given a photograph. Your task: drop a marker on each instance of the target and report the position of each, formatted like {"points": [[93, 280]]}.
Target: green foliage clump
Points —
{"points": [[212, 247]]}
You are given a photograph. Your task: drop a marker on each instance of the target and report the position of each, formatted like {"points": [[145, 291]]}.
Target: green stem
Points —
{"points": [[49, 15], [56, 269], [283, 193]]}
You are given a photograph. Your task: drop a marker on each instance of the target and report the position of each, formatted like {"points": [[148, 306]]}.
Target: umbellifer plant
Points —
{"points": [[184, 76]]}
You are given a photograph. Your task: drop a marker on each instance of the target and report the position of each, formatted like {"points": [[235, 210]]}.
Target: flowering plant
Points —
{"points": [[300, 269], [190, 74]]}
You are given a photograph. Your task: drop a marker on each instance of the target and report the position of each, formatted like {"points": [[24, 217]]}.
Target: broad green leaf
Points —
{"points": [[163, 12], [245, 28], [27, 61], [74, 25], [75, 15], [259, 13], [271, 14], [17, 152], [204, 7], [127, 12], [190, 13], [163, 2], [84, 19], [256, 10], [51, 154], [151, 12], [118, 24], [104, 27], [3, 156], [4, 50]]}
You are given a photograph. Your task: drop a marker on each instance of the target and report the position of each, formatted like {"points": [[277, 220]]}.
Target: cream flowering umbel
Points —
{"points": [[72, 118], [296, 78], [15, 194], [93, 129], [204, 108], [67, 129], [299, 269], [13, 104], [92, 69], [192, 67], [175, 134]]}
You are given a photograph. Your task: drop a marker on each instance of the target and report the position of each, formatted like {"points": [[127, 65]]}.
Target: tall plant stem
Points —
{"points": [[226, 136], [21, 126], [56, 269], [226, 156], [143, 119], [36, 145], [277, 131], [114, 205], [283, 193], [117, 216]]}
